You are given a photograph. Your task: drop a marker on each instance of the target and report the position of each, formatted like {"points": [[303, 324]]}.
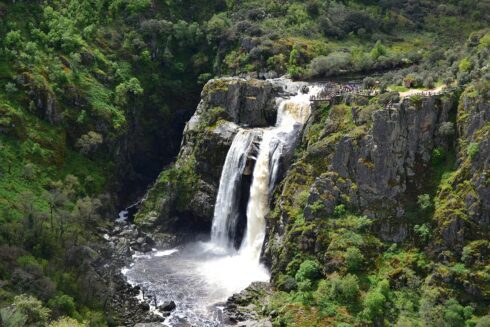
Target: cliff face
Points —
{"points": [[183, 196], [423, 162]]}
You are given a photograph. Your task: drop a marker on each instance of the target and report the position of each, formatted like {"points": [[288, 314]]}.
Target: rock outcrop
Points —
{"points": [[372, 159]]}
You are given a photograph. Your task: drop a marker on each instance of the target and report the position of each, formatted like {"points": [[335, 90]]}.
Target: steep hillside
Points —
{"points": [[386, 199]]}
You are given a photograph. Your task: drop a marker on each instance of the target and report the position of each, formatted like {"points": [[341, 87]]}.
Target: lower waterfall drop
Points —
{"points": [[226, 208]]}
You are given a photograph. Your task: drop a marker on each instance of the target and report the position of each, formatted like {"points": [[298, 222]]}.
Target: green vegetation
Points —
{"points": [[94, 94]]}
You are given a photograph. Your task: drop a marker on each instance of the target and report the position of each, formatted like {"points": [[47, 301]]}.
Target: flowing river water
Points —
{"points": [[199, 276]]}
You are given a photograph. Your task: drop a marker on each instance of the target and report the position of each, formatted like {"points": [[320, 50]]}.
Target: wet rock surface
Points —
{"points": [[101, 265], [246, 308]]}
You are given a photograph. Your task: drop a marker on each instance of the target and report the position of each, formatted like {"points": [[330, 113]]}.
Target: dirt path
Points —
{"points": [[411, 92]]}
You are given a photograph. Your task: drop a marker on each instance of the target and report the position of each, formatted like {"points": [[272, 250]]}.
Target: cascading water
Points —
{"points": [[202, 274], [276, 142], [226, 209]]}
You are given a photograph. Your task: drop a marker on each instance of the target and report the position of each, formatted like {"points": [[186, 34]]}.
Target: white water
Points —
{"points": [[202, 274], [226, 209], [292, 115]]}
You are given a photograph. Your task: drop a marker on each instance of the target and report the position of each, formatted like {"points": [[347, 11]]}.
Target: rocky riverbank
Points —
{"points": [[130, 305]]}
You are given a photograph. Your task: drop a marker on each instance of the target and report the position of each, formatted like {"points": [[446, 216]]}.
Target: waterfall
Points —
{"points": [[226, 208], [276, 143], [201, 274], [275, 149]]}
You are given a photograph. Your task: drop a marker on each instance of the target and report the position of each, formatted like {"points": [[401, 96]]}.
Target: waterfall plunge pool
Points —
{"points": [[198, 277]]}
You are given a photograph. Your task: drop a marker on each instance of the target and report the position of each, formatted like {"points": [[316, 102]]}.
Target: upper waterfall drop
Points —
{"points": [[276, 142]]}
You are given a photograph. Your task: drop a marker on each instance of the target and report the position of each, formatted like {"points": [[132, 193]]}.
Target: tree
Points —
{"points": [[378, 50], [56, 200], [344, 289], [25, 311], [89, 142], [308, 270], [353, 258], [86, 211]]}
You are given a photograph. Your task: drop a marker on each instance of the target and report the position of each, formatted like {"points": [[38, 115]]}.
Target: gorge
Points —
{"points": [[198, 276], [353, 191]]}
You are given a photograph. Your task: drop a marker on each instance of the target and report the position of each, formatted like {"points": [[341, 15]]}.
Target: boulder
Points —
{"points": [[167, 306]]}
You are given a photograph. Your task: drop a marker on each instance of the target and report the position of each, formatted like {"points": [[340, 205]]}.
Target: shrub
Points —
{"points": [[10, 88], [353, 258], [423, 232], [455, 314], [89, 142], [375, 299], [438, 156], [429, 82], [483, 321], [66, 322], [424, 201], [339, 210], [286, 283], [446, 129], [378, 50], [329, 65], [345, 289], [308, 270], [465, 65], [27, 310], [217, 26], [473, 150], [62, 304], [368, 82]]}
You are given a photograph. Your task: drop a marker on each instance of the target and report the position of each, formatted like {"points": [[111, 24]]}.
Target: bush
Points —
{"points": [[465, 65], [483, 321], [438, 156], [25, 311], [66, 322], [423, 232], [473, 150], [375, 299], [330, 65], [446, 129], [345, 289], [62, 304], [353, 258], [424, 201], [455, 314], [378, 50], [339, 210], [286, 283], [308, 270]]}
